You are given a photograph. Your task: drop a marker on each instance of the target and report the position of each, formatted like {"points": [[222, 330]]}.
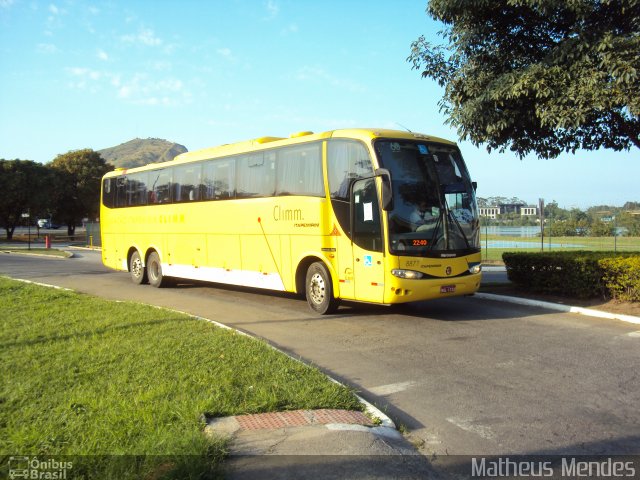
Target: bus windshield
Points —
{"points": [[434, 210]]}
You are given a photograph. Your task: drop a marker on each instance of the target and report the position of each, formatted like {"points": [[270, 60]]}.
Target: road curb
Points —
{"points": [[79, 247], [41, 255], [559, 307]]}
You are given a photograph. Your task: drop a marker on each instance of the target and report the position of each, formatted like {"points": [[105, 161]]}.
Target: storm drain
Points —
{"points": [[299, 418]]}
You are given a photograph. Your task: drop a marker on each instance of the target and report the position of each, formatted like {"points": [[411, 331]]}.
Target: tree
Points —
{"points": [[542, 76], [24, 188], [561, 228], [77, 178], [600, 228], [553, 212]]}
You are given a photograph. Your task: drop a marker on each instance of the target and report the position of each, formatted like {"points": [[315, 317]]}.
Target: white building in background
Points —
{"points": [[523, 210], [529, 211], [491, 212]]}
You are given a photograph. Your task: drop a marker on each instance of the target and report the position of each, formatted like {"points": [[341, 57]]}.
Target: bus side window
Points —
{"points": [[300, 170], [108, 192], [160, 186], [218, 180], [256, 175], [137, 189], [347, 161], [186, 181], [121, 191]]}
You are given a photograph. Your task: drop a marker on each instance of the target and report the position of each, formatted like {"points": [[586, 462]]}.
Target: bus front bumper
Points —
{"points": [[405, 291]]}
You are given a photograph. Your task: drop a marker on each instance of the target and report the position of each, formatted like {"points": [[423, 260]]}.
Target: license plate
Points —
{"points": [[447, 289]]}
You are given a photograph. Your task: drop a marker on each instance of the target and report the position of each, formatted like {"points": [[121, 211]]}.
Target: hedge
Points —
{"points": [[622, 277], [578, 274]]}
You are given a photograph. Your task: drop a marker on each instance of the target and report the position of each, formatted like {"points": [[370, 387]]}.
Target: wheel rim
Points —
{"points": [[136, 267], [317, 288], [154, 270]]}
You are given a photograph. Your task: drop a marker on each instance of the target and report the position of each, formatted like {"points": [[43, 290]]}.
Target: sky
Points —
{"points": [[93, 74]]}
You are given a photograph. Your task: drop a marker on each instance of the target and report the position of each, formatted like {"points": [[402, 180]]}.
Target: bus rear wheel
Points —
{"points": [[137, 270], [319, 290], [154, 271]]}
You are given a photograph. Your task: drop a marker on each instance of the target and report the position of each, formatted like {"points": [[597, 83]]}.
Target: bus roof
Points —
{"points": [[263, 143]]}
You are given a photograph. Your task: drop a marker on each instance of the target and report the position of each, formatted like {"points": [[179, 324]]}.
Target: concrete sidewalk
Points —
{"points": [[324, 444]]}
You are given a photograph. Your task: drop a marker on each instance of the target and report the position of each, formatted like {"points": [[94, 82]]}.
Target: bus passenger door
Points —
{"points": [[368, 248]]}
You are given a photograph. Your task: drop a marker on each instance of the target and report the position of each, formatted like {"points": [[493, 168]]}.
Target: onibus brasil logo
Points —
{"points": [[34, 468]]}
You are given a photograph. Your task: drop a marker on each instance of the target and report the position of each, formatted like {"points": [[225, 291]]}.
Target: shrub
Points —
{"points": [[622, 277], [578, 274]]}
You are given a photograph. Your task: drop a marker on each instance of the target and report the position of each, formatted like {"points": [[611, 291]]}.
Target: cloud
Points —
{"points": [[161, 65], [6, 3], [47, 48], [54, 19], [145, 36], [272, 9], [226, 53], [85, 79], [102, 55], [291, 28], [85, 73], [319, 75], [143, 90], [134, 88]]}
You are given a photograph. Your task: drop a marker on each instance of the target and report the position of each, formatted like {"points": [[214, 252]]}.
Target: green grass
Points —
{"points": [[532, 244], [88, 377]]}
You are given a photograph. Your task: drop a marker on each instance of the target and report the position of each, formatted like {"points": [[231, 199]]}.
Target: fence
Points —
{"points": [[496, 239]]}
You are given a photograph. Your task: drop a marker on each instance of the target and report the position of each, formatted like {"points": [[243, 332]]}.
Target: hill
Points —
{"points": [[138, 152]]}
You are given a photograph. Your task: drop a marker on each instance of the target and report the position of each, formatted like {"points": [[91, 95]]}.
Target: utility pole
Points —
{"points": [[541, 207]]}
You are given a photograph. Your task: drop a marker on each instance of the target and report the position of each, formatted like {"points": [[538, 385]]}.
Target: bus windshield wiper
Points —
{"points": [[434, 237], [455, 220]]}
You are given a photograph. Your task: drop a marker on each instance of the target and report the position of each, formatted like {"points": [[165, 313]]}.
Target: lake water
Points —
{"points": [[524, 244], [530, 238], [512, 231]]}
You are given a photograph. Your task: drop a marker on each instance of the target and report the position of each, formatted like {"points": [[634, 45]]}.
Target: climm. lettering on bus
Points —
{"points": [[280, 213]]}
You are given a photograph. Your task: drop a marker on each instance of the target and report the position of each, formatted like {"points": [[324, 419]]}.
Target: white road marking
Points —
{"points": [[469, 426], [392, 388]]}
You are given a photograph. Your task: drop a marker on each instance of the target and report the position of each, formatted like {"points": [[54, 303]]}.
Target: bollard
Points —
{"points": [[47, 241]]}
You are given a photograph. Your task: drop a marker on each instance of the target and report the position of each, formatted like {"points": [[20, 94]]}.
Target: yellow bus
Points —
{"points": [[369, 215]]}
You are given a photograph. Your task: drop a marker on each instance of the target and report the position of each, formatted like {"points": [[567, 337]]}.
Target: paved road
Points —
{"points": [[465, 376]]}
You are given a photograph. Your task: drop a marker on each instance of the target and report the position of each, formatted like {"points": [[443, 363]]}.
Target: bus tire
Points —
{"points": [[319, 289], [137, 269], [154, 271]]}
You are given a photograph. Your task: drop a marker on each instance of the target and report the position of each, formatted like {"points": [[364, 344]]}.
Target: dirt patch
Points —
{"points": [[611, 306]]}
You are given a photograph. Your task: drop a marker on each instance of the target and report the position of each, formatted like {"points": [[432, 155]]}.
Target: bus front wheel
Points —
{"points": [[137, 270], [154, 271], [319, 289]]}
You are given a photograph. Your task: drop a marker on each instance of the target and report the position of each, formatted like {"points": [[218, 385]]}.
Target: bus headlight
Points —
{"points": [[475, 268], [408, 274]]}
